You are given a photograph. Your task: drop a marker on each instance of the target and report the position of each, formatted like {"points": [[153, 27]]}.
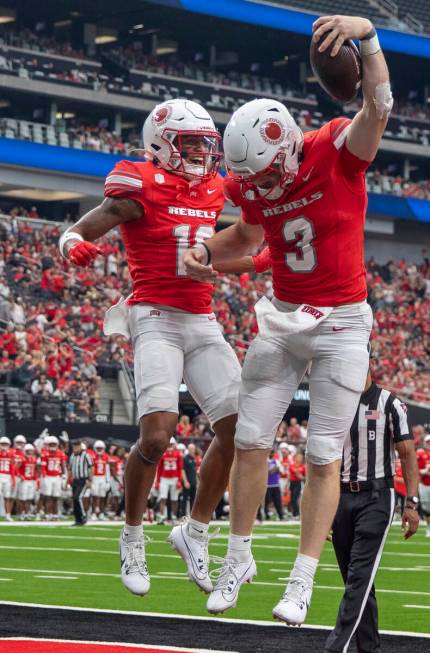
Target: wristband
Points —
{"points": [[369, 44], [66, 236], [207, 251]]}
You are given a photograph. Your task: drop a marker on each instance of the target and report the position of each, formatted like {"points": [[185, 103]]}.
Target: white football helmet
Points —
{"points": [[19, 441], [4, 443], [99, 446], [28, 448], [52, 443], [262, 137], [181, 137]]}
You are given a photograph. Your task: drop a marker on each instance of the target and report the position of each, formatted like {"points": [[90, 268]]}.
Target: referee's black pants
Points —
{"points": [[78, 490], [360, 529]]}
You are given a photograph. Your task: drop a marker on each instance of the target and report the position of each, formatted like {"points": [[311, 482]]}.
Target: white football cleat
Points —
{"points": [[231, 577], [134, 570], [294, 605], [194, 552]]}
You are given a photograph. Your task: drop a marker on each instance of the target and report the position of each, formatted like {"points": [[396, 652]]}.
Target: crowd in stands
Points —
{"points": [[51, 316]]}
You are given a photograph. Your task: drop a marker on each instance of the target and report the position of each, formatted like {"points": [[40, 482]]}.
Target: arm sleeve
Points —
{"points": [[351, 164], [263, 260], [398, 412], [125, 181]]}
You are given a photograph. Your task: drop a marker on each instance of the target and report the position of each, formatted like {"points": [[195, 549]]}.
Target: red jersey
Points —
{"points": [[295, 469], [177, 215], [170, 465], [424, 464], [118, 466], [28, 471], [18, 458], [315, 231], [6, 462], [101, 462], [52, 462], [399, 486]]}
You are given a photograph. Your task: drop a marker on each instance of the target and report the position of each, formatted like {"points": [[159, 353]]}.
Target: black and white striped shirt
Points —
{"points": [[80, 464], [380, 422]]}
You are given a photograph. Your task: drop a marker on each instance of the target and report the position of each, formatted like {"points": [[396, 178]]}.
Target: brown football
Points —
{"points": [[339, 76]]}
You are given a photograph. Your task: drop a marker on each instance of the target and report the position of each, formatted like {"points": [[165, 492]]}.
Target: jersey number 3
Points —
{"points": [[301, 231], [182, 234]]}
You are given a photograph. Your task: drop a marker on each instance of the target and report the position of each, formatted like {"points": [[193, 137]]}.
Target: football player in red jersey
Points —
{"points": [[7, 476], [52, 471], [28, 485], [169, 479], [17, 452], [101, 478], [306, 195], [162, 206], [424, 469]]}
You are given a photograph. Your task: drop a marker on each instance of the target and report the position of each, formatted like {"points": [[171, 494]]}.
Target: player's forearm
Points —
{"points": [[409, 464], [232, 243], [238, 266], [100, 220], [369, 124]]}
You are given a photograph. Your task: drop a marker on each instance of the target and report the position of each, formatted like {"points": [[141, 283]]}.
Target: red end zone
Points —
{"points": [[24, 645]]}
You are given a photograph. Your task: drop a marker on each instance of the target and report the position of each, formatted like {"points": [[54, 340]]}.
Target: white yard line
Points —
{"points": [[58, 577], [194, 618], [419, 607]]}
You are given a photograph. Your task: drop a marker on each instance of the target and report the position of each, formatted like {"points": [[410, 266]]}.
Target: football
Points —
{"points": [[339, 76]]}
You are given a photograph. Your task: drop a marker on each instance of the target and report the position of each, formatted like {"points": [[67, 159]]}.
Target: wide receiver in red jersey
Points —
{"points": [[162, 206], [306, 196], [169, 478], [7, 476]]}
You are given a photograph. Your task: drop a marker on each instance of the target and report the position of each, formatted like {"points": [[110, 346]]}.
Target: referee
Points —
{"points": [[366, 510], [80, 477]]}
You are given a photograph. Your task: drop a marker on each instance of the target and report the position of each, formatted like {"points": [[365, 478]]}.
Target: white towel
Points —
{"points": [[272, 323], [116, 319]]}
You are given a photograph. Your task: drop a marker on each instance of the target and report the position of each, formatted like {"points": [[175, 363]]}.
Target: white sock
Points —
{"points": [[197, 529], [239, 547], [132, 532], [305, 567]]}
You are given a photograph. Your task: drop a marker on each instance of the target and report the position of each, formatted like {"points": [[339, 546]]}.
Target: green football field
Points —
{"points": [[60, 565]]}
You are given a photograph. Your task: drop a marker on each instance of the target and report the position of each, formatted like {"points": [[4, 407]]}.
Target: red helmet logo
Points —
{"points": [[272, 131], [161, 115]]}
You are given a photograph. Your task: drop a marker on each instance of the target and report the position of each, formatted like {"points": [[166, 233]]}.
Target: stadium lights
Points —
{"points": [[166, 47], [106, 35], [64, 115], [139, 26], [7, 15]]}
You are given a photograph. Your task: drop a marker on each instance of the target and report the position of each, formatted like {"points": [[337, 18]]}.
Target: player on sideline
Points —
{"points": [[163, 206], [307, 197]]}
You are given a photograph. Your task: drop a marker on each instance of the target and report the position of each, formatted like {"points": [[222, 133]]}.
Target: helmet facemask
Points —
{"points": [[193, 154], [270, 183]]}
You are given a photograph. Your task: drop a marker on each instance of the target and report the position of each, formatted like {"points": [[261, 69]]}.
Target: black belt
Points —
{"points": [[366, 486]]}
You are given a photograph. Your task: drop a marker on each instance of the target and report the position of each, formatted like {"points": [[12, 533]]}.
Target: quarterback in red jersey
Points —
{"points": [[7, 476], [169, 475], [424, 470], [163, 206], [306, 195]]}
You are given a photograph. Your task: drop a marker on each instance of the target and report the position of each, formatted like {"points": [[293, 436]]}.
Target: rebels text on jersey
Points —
{"points": [[315, 231], [177, 215]]}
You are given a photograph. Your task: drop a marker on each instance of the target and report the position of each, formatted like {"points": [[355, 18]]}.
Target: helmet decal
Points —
{"points": [[162, 115], [272, 131]]}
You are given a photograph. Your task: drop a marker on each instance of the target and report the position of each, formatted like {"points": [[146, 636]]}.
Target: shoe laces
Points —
{"points": [[225, 574], [295, 591], [135, 553]]}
